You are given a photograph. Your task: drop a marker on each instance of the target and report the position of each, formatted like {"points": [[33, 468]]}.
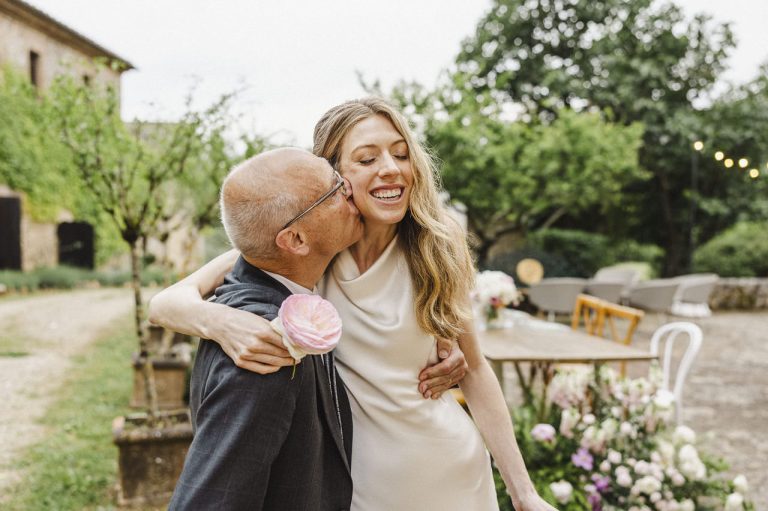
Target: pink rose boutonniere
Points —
{"points": [[308, 324]]}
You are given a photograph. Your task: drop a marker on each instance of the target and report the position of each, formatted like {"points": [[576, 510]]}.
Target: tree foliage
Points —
{"points": [[639, 61], [515, 177]]}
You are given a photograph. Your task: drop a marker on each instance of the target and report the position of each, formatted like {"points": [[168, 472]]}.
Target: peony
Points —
{"points": [[622, 476], [687, 505], [690, 463], [663, 399], [543, 433], [647, 485], [568, 419], [734, 502], [740, 484], [684, 435], [614, 456], [308, 324], [562, 490]]}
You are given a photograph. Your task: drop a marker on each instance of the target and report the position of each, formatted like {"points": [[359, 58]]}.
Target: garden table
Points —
{"points": [[544, 344]]}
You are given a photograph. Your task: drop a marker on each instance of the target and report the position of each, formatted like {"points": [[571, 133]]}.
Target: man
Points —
{"points": [[276, 441]]}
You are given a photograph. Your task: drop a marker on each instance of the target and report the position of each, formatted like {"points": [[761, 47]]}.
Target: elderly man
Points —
{"points": [[273, 442]]}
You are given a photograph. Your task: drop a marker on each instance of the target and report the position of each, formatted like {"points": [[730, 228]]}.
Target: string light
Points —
{"points": [[743, 163], [698, 145], [754, 173], [728, 163], [719, 156]]}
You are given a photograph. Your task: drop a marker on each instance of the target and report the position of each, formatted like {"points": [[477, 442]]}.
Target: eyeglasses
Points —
{"points": [[339, 184]]}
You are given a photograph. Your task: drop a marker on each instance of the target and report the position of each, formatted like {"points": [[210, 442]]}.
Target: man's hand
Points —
{"points": [[251, 343], [436, 379]]}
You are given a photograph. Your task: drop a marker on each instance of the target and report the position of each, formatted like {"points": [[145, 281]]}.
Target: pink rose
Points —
{"points": [[308, 324]]}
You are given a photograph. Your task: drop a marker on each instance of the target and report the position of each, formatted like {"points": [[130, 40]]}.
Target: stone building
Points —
{"points": [[42, 48]]}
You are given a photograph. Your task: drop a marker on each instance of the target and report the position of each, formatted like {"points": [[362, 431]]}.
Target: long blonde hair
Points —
{"points": [[433, 243]]}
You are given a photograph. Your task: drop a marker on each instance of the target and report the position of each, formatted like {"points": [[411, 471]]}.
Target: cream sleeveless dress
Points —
{"points": [[408, 453]]}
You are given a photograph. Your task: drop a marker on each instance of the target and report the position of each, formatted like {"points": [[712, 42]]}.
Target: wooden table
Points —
{"points": [[543, 344]]}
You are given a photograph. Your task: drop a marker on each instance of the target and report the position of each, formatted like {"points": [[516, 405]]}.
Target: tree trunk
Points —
{"points": [[144, 357]]}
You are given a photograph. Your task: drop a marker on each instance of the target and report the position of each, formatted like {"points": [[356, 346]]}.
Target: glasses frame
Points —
{"points": [[340, 183]]}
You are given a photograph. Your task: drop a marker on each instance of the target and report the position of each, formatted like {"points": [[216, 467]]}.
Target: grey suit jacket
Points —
{"points": [[264, 442]]}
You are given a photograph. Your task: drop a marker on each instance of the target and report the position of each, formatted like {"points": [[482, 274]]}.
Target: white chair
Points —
{"points": [[626, 276], [668, 334], [692, 297], [556, 295], [608, 291], [654, 295]]}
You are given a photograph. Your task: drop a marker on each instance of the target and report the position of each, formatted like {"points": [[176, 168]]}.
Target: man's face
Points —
{"points": [[334, 224]]}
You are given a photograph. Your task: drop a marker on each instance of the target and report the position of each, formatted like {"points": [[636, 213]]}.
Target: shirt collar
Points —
{"points": [[291, 285]]}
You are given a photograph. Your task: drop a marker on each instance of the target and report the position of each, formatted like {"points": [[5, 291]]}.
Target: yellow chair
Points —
{"points": [[592, 311], [633, 316]]}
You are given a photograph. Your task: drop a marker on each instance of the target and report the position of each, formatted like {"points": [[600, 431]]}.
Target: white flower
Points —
{"points": [[687, 505], [643, 468], [663, 399], [568, 420], [734, 502], [647, 485], [667, 452], [588, 419], [684, 435], [622, 476], [655, 496], [562, 490], [605, 466], [626, 429], [677, 479], [614, 456], [740, 484], [496, 287]]}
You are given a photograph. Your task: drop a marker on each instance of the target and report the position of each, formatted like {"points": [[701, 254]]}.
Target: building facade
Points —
{"points": [[33, 43]]}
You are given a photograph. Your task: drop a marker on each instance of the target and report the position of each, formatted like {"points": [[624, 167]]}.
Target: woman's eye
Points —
{"points": [[367, 161]]}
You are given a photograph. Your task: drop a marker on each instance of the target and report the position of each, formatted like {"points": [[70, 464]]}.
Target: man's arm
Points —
{"points": [[242, 422]]}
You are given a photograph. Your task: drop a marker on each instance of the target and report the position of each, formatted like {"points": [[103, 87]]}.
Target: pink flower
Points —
{"points": [[308, 324], [543, 433], [582, 459]]}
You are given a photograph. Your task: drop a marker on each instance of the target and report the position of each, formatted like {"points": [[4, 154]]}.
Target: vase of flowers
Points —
{"points": [[494, 290]]}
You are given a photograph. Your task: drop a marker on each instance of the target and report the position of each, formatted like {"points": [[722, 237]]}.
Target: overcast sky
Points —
{"points": [[298, 58]]}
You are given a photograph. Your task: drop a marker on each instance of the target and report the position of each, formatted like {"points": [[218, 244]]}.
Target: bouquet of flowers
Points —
{"points": [[494, 290], [596, 442]]}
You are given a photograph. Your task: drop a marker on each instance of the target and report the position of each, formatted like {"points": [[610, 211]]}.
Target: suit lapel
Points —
{"points": [[329, 407]]}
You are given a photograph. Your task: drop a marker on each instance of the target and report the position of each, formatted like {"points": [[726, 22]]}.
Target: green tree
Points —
{"points": [[638, 61], [132, 172], [517, 178]]}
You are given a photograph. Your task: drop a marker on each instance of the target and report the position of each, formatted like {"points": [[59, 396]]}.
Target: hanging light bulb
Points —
{"points": [[754, 173], [719, 156], [743, 163], [728, 163], [698, 145]]}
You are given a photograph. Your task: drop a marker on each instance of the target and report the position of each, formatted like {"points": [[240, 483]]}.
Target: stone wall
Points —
{"points": [[740, 293]]}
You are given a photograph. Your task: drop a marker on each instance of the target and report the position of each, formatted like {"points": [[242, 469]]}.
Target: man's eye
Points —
{"points": [[401, 156]]}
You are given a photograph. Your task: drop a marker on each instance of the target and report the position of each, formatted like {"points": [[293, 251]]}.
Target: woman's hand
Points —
{"points": [[249, 341], [436, 379]]}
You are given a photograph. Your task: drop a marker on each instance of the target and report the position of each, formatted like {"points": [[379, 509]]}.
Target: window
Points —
{"points": [[34, 65]]}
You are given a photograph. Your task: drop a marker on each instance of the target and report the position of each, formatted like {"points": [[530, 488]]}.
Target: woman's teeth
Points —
{"points": [[387, 194]]}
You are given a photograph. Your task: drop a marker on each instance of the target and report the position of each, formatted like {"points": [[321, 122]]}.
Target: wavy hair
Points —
{"points": [[433, 243]]}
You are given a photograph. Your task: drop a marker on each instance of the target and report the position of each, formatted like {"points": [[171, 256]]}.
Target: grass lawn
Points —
{"points": [[75, 467]]}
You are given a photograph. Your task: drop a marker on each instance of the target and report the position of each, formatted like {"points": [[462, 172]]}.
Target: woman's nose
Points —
{"points": [[388, 165]]}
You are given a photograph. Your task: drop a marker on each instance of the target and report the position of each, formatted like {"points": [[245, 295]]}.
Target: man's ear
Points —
{"points": [[293, 240]]}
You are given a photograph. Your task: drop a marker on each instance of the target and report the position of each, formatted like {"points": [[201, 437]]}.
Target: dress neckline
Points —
{"points": [[346, 270]]}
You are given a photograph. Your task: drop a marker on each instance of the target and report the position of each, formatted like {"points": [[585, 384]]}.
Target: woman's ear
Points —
{"points": [[293, 240]]}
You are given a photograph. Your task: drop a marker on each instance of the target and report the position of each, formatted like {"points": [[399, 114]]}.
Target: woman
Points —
{"points": [[408, 453]]}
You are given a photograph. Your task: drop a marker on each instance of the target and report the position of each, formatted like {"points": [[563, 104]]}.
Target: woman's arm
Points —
{"points": [[246, 338], [486, 402]]}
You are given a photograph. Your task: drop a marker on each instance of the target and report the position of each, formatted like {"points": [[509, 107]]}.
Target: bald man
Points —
{"points": [[273, 442]]}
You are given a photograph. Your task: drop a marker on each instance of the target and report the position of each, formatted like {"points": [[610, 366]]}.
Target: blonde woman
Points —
{"points": [[405, 283]]}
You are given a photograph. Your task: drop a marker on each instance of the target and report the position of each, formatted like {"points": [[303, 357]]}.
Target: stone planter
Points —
{"points": [[170, 381], [150, 458]]}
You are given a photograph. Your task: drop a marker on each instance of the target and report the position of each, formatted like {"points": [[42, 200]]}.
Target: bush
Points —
{"points": [[62, 277], [739, 251], [19, 281], [67, 277]]}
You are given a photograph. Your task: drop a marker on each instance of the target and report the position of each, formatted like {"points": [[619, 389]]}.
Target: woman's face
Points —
{"points": [[374, 158]]}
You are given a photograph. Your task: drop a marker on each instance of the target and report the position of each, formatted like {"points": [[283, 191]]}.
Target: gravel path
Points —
{"points": [[54, 327]]}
